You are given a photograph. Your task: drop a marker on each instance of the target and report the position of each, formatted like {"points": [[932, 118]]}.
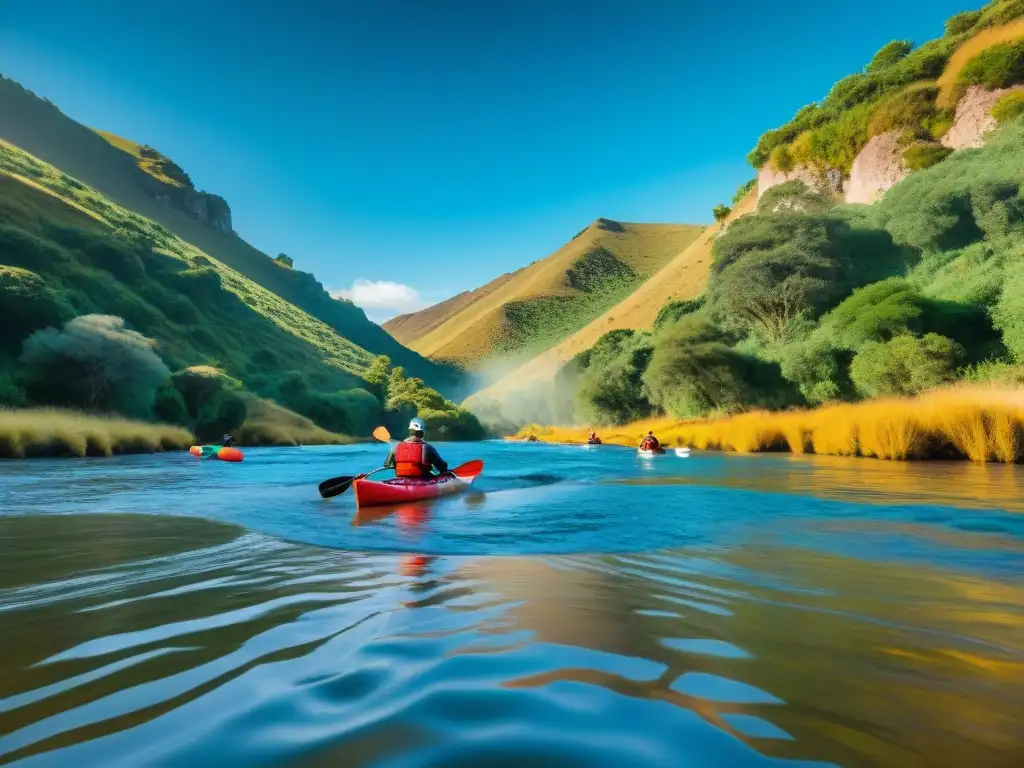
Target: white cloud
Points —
{"points": [[382, 298]]}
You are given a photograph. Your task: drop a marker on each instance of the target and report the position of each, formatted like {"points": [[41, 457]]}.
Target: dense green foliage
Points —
{"points": [[1009, 107], [93, 363], [674, 310], [142, 303], [811, 301], [922, 154], [896, 90], [890, 54], [998, 66], [904, 365]]}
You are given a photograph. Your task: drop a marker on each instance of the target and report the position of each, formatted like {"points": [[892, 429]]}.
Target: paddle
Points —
{"points": [[336, 486]]}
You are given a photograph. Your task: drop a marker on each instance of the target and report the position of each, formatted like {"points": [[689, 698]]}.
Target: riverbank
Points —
{"points": [[979, 423], [50, 433]]}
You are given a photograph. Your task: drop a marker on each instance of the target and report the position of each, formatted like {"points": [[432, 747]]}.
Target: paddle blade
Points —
{"points": [[382, 434], [469, 469], [335, 486]]}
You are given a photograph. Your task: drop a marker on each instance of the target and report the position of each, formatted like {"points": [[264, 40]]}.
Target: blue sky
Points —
{"points": [[436, 145]]}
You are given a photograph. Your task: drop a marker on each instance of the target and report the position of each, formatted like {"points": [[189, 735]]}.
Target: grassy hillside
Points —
{"points": [[103, 258], [521, 314], [684, 277], [407, 328], [912, 89], [141, 180], [72, 259]]}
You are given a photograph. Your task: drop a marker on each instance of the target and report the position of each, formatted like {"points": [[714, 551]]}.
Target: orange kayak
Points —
{"points": [[401, 490], [216, 452]]}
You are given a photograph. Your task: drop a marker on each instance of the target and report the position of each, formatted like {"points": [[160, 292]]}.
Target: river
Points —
{"points": [[577, 608]]}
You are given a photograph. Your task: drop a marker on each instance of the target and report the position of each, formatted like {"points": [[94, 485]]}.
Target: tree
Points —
{"points": [[611, 389], [962, 22], [905, 365], [377, 375], [721, 212], [212, 399], [285, 260], [27, 304], [890, 54], [688, 380], [94, 363]]}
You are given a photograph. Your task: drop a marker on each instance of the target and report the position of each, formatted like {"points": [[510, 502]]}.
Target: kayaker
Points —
{"points": [[414, 457], [227, 441], [593, 439], [650, 443]]}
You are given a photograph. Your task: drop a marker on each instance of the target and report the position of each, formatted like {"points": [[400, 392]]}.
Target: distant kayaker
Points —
{"points": [[593, 439], [414, 457], [227, 441], [650, 443]]}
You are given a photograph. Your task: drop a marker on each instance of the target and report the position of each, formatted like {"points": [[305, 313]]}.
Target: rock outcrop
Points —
{"points": [[212, 210], [878, 167], [828, 183], [973, 117]]}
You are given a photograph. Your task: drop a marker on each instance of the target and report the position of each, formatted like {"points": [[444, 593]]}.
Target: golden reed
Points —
{"points": [[976, 422]]}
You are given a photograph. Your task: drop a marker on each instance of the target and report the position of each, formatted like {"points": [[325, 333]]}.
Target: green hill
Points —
{"points": [[142, 181], [523, 313]]}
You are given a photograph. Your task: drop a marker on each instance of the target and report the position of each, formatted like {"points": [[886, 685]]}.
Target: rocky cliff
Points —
{"points": [[880, 166]]}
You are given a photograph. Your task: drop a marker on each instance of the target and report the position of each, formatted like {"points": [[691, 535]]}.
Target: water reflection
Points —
{"points": [[866, 481], [188, 642]]}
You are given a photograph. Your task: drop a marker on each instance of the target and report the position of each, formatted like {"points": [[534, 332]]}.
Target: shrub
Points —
{"points": [[793, 196], [770, 268], [908, 108], [12, 394], [214, 400], [23, 249], [923, 154], [744, 189], [818, 369], [27, 304], [876, 312], [721, 212], [201, 284], [611, 390], [105, 252], [1009, 107], [998, 66], [1008, 314], [905, 365], [94, 363], [890, 54], [169, 405], [692, 379], [781, 160], [961, 22], [285, 260], [672, 311], [457, 424]]}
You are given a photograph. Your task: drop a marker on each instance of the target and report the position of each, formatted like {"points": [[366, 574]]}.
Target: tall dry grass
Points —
{"points": [[43, 432], [979, 422]]}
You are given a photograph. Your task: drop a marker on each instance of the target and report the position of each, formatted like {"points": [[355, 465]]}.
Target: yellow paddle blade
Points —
{"points": [[382, 434]]}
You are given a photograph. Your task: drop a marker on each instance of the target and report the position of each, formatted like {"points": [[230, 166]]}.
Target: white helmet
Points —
{"points": [[417, 425]]}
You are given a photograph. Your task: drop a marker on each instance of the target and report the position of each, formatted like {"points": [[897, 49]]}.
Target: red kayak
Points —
{"points": [[401, 490]]}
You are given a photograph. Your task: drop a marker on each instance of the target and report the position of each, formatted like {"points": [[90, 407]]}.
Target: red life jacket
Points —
{"points": [[411, 460]]}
